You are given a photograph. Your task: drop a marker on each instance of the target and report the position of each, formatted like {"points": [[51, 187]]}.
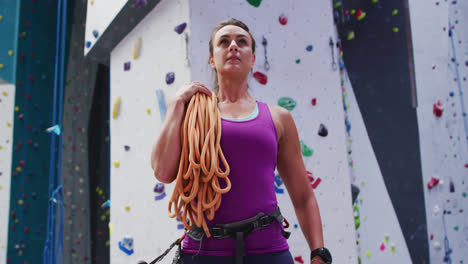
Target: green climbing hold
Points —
{"points": [[298, 61], [255, 3], [287, 103], [306, 151], [456, 228]]}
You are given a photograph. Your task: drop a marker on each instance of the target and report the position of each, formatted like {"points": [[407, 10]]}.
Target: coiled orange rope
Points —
{"points": [[197, 192]]}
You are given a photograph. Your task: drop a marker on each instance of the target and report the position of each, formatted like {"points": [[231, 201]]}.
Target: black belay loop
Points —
{"points": [[240, 230]]}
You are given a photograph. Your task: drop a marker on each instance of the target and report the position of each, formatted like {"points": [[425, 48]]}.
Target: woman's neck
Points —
{"points": [[233, 90]]}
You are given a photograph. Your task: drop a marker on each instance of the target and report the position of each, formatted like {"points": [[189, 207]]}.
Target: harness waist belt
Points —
{"points": [[240, 230]]}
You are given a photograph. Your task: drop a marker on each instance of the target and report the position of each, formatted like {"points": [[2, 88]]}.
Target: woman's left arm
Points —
{"points": [[293, 173]]}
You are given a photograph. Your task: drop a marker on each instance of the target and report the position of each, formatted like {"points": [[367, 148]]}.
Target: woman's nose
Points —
{"points": [[233, 45]]}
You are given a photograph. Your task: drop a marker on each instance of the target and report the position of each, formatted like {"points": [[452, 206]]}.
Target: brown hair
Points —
{"points": [[228, 22]]}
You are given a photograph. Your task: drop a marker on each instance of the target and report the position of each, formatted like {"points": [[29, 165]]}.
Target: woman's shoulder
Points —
{"points": [[278, 114]]}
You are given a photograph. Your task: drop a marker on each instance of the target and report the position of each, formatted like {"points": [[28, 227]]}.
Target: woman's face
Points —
{"points": [[232, 51]]}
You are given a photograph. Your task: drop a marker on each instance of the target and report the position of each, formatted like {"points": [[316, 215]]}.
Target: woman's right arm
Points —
{"points": [[165, 155], [166, 151]]}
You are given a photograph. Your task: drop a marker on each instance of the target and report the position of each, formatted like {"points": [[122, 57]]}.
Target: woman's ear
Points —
{"points": [[212, 64]]}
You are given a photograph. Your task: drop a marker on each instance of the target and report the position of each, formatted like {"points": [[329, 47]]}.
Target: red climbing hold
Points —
{"points": [[21, 163], [314, 101], [261, 77], [316, 183], [438, 108], [283, 20], [432, 183], [299, 259]]}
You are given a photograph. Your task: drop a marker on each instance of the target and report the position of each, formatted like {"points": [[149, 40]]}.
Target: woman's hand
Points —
{"points": [[186, 92], [317, 260]]}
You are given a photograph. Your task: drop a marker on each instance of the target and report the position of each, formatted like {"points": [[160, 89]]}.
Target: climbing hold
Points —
{"points": [[127, 66], [140, 3], [395, 29], [255, 3], [309, 48], [395, 12], [1, 66], [116, 107], [126, 245], [161, 103], [392, 247], [314, 101], [127, 207], [436, 244], [180, 28], [148, 111], [452, 186], [299, 259], [55, 129], [323, 131], [106, 204], [298, 61], [170, 76], [261, 77], [88, 44], [287, 102], [438, 108], [433, 182], [350, 35], [316, 183], [116, 164], [95, 33], [21, 163], [159, 187], [127, 148], [283, 19], [136, 48], [382, 246], [360, 15], [306, 151], [368, 254]]}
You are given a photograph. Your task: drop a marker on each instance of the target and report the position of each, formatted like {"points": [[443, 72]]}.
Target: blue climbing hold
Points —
{"points": [[170, 77], [180, 28], [88, 44], [309, 48], [95, 33]]}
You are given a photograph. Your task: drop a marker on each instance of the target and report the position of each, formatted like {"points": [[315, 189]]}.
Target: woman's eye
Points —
{"points": [[243, 41], [223, 41]]}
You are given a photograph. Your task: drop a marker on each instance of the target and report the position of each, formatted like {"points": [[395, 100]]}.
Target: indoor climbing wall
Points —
{"points": [[441, 67], [296, 68], [147, 67], [7, 102], [81, 241], [379, 236], [99, 15], [8, 26], [31, 143]]}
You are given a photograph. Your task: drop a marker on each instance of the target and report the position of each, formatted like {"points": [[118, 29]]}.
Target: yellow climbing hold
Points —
{"points": [[148, 111], [136, 48], [111, 227], [92, 2], [116, 164], [5, 94], [8, 124], [20, 202], [127, 208], [19, 169], [368, 253], [116, 107], [1, 187], [386, 238], [392, 248], [1, 66], [107, 139], [1, 17], [16, 108], [396, 30], [395, 12], [1, 147], [10, 52]]}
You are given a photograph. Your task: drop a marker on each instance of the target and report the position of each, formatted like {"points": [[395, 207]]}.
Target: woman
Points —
{"points": [[256, 138]]}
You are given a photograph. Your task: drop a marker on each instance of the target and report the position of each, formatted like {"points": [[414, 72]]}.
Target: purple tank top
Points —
{"points": [[250, 148]]}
